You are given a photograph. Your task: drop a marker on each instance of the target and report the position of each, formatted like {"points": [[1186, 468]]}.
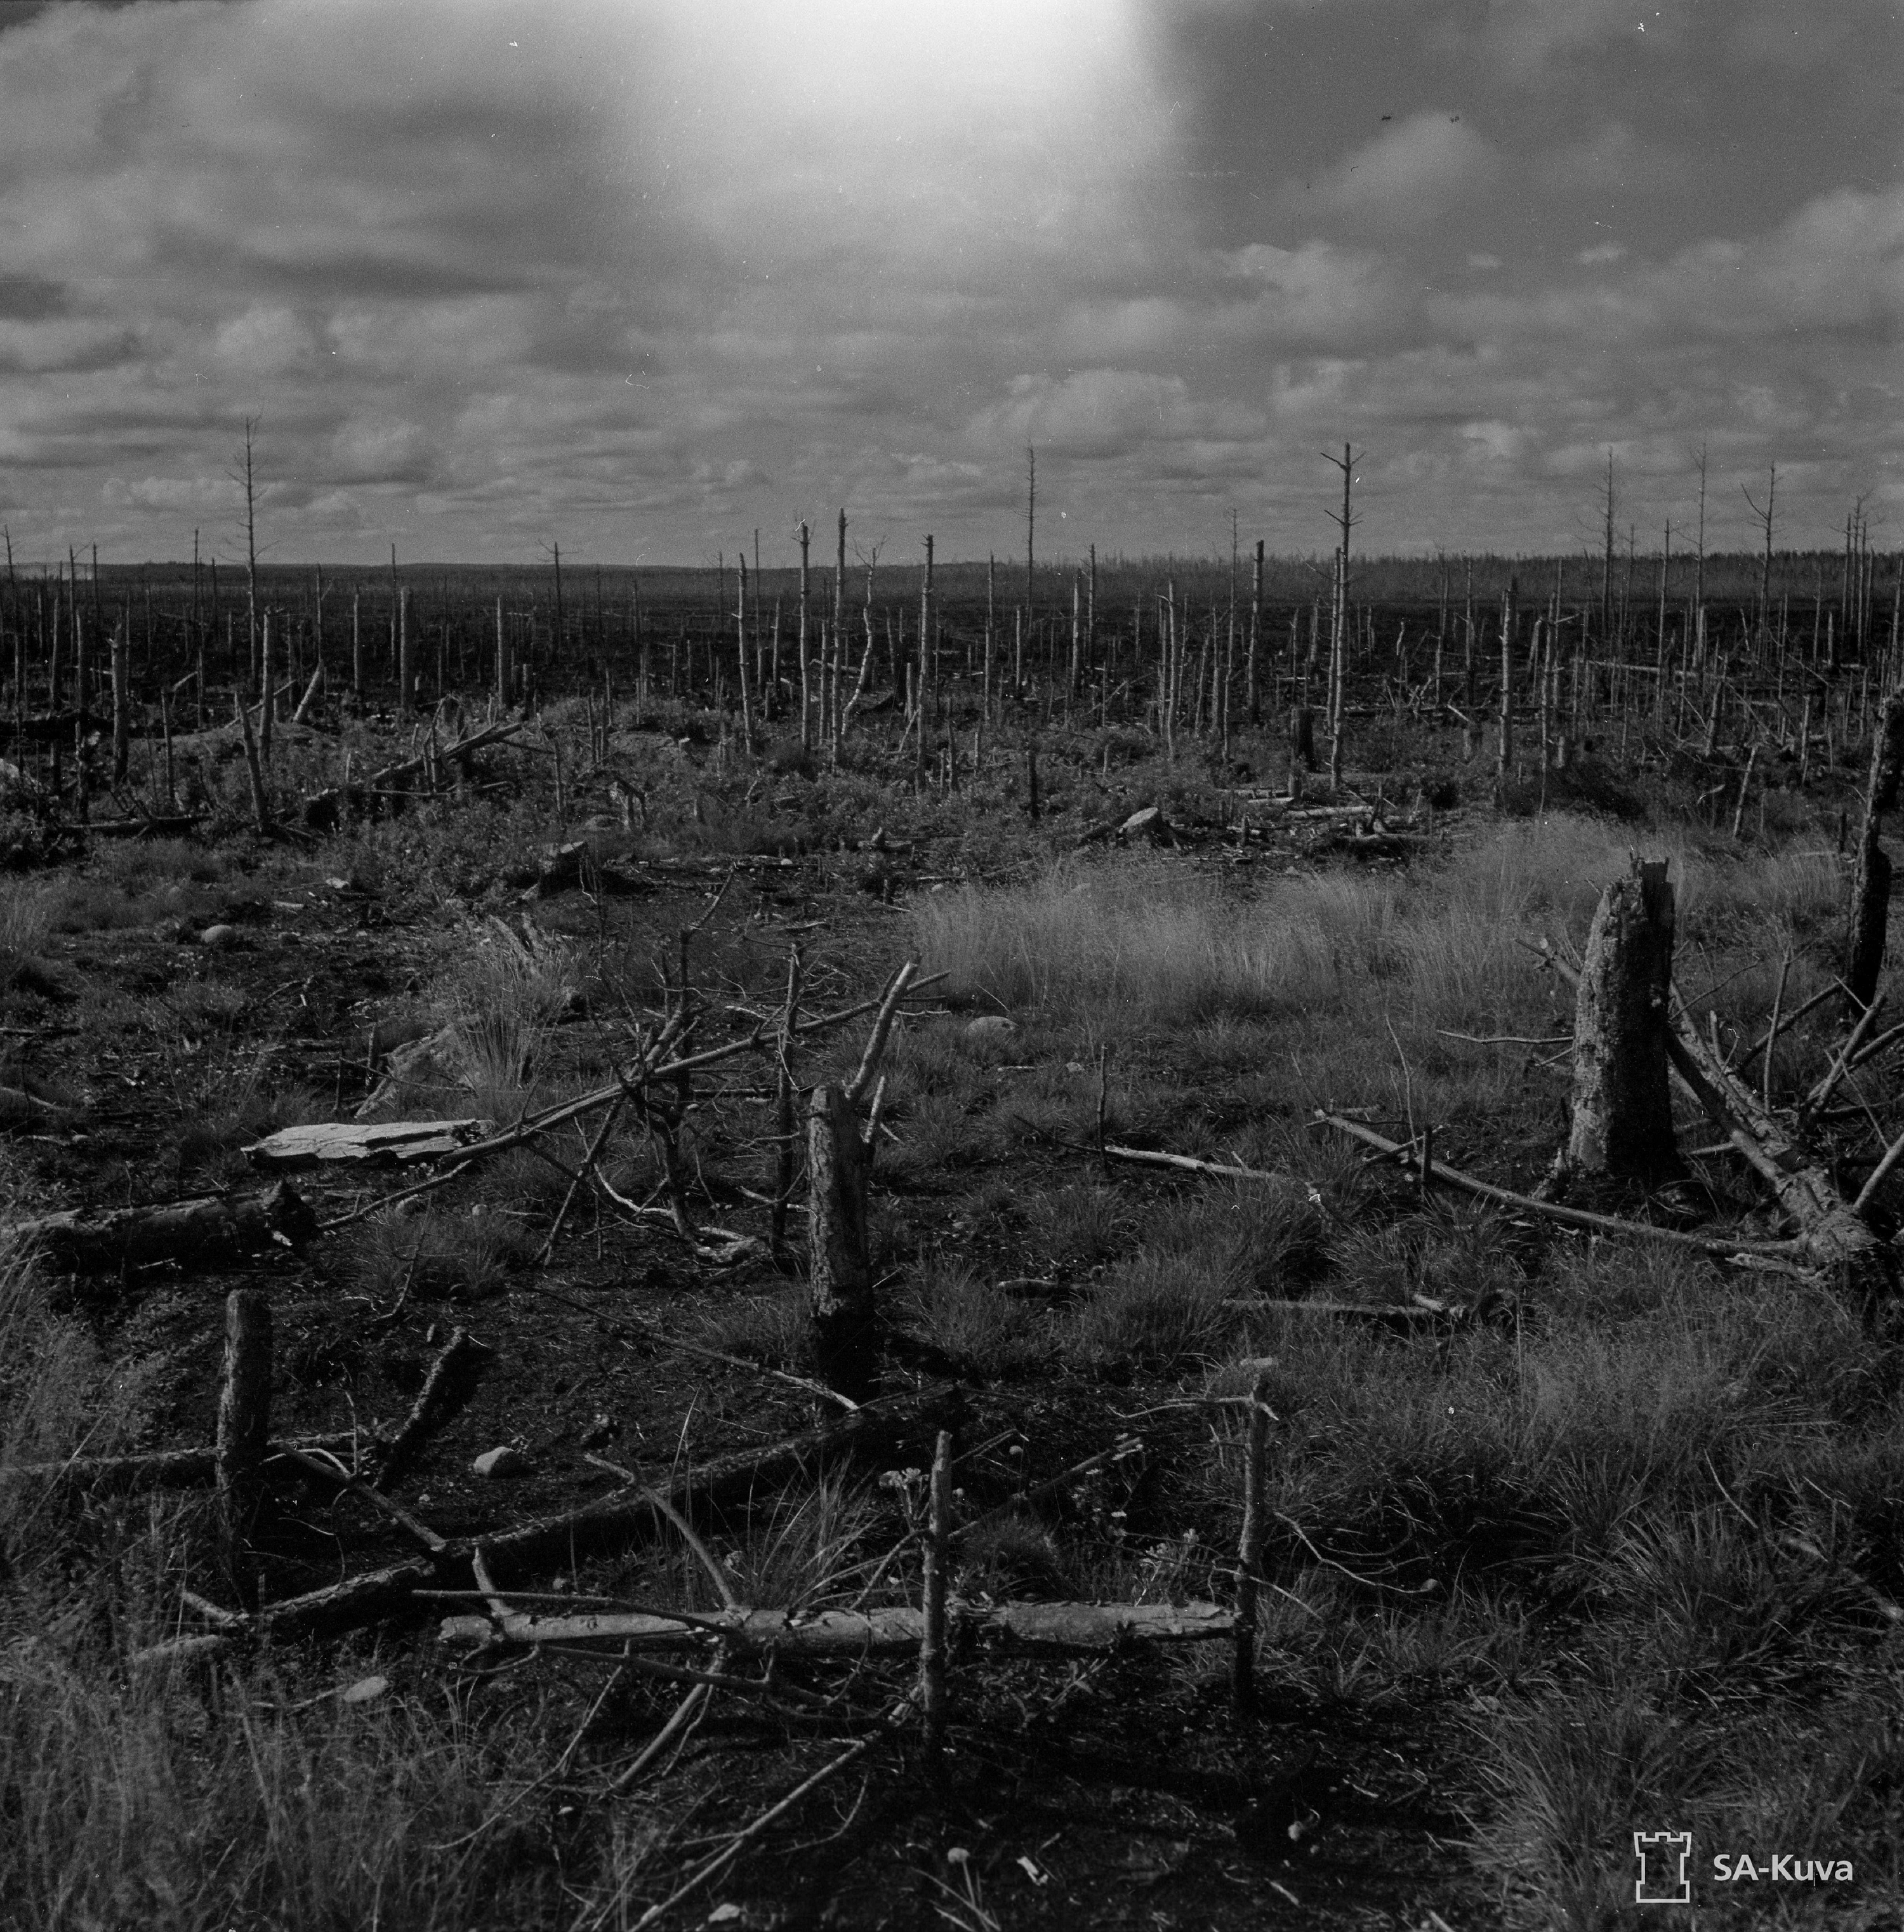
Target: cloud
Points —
{"points": [[265, 340], [1091, 412], [1612, 157], [1413, 173], [67, 345], [626, 272], [1529, 37]]}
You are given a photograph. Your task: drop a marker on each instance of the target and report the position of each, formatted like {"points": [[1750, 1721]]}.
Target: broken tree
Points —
{"points": [[1622, 1104]]}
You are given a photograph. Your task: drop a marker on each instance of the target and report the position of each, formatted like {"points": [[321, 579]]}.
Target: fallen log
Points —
{"points": [[445, 1388], [171, 825], [385, 1143], [362, 1599], [1059, 1629], [619, 1519], [324, 810], [209, 1232], [614, 1521]]}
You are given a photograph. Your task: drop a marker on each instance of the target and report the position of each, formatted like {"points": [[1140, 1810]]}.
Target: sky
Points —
{"points": [[642, 278]]}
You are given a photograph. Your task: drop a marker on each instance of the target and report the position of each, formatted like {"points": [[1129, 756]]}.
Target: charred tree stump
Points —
{"points": [[1622, 1102], [1870, 914], [1301, 737], [1249, 1546], [1887, 756], [932, 1647], [1870, 892], [122, 704], [244, 1431], [840, 1271]]}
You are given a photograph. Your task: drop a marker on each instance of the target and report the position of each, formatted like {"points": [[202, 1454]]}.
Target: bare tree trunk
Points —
{"points": [[740, 643], [122, 704], [1870, 914], [1509, 623], [243, 1430], [932, 1644], [1622, 1103], [840, 1271], [1251, 696], [806, 670], [254, 769], [1886, 756]]}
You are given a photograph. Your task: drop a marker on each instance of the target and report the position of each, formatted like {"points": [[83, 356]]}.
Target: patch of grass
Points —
{"points": [[442, 1253], [1157, 1311], [990, 1334], [775, 1329]]}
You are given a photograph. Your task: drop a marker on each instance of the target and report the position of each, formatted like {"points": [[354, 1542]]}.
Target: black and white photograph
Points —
{"points": [[945, 965]]}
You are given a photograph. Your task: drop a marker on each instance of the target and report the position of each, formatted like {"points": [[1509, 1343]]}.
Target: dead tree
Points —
{"points": [[1622, 1103], [839, 1176], [840, 1269], [244, 1429], [122, 704], [1869, 911], [1887, 756]]}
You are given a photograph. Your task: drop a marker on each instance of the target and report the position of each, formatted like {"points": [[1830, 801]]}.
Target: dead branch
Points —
{"points": [[445, 1388], [1059, 1629], [1571, 1217]]}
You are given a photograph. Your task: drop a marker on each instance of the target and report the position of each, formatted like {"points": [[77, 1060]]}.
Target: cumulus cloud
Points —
{"points": [[1090, 412], [1412, 172], [624, 271]]}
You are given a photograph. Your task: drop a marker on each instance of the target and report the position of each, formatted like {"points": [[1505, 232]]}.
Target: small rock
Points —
{"points": [[991, 1026], [1150, 824], [217, 938], [365, 1691], [507, 1460]]}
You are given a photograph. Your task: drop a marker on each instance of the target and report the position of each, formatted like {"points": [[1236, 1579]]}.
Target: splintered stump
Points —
{"points": [[1887, 756], [243, 1430], [1301, 737], [1870, 910], [840, 1266], [1622, 1103]]}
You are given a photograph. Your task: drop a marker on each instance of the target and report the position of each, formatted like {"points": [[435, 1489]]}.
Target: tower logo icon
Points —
{"points": [[1665, 1867]]}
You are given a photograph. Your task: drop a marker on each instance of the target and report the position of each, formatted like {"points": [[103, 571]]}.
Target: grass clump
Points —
{"points": [[987, 1333]]}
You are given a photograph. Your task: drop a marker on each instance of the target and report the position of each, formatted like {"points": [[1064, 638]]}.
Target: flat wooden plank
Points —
{"points": [[375, 1144]]}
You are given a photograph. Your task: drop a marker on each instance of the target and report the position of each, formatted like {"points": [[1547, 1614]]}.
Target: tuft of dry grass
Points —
{"points": [[988, 1333]]}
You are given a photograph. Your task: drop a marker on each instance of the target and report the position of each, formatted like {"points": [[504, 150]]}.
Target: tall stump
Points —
{"points": [[1870, 913], [840, 1282], [243, 1430], [1622, 1104], [1870, 890]]}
